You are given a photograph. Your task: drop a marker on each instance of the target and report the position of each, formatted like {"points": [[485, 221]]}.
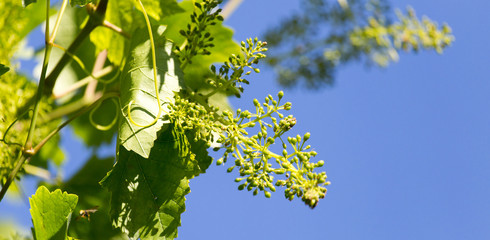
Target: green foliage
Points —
{"points": [[309, 45], [148, 195], [80, 2], [197, 71], [381, 42], [85, 184], [51, 212], [14, 125], [171, 95], [137, 84]]}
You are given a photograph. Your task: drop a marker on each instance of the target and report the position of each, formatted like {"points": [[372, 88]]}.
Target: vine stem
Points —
{"points": [[92, 85], [49, 40], [103, 72], [22, 158]]}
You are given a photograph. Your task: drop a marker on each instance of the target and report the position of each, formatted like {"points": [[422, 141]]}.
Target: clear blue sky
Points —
{"points": [[407, 148]]}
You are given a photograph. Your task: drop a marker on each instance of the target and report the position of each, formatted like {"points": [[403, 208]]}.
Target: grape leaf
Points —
{"points": [[3, 69], [158, 9], [148, 195], [137, 85], [51, 212]]}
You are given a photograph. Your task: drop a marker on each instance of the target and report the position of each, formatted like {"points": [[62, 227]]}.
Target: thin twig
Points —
{"points": [[25, 156], [92, 85], [82, 82], [115, 28]]}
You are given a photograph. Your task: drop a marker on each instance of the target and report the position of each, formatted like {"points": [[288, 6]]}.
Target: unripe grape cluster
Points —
{"points": [[259, 167]]}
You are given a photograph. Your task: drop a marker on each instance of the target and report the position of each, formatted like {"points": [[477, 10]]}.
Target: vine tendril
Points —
{"points": [[102, 127], [82, 66], [9, 127], [153, 57]]}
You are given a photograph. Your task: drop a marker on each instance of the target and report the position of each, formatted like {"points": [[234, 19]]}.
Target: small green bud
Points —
{"points": [[287, 106], [306, 136], [256, 102], [267, 194], [220, 161], [320, 163], [230, 169], [241, 187], [238, 179], [280, 94], [257, 70], [256, 191], [284, 152]]}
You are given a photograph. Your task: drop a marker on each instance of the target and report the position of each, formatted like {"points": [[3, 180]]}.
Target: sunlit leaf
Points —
{"points": [[138, 87], [158, 183], [51, 212], [157, 9]]}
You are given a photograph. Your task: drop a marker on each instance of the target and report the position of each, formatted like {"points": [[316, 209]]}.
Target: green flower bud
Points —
{"points": [[256, 102], [267, 194], [256, 191], [320, 163], [241, 187], [280, 94], [307, 136], [284, 152]]}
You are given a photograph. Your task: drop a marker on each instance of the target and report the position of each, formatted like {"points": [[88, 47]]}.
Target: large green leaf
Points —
{"points": [[51, 212], [138, 86], [148, 195]]}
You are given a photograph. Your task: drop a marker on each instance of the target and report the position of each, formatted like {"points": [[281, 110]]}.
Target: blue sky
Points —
{"points": [[406, 148]]}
